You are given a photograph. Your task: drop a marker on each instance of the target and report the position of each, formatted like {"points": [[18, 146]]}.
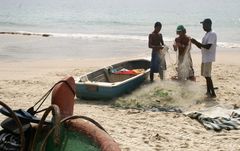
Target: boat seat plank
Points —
{"points": [[99, 78]]}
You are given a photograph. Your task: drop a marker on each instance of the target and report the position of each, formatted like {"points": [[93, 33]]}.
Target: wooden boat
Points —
{"points": [[111, 81]]}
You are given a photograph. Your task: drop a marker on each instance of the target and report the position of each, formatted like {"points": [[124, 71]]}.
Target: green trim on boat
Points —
{"points": [[70, 141]]}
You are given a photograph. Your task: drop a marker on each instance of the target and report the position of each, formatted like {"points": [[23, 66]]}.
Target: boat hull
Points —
{"points": [[106, 92]]}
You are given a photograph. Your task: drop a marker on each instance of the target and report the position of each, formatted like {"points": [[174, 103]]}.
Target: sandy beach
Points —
{"points": [[42, 42], [24, 82]]}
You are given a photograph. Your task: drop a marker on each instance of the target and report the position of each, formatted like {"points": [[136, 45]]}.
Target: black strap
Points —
{"points": [[44, 97], [23, 115]]}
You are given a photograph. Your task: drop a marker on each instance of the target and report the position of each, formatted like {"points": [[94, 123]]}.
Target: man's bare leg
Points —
{"points": [[161, 74]]}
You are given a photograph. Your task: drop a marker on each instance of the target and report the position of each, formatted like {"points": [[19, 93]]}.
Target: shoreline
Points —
{"points": [[31, 66], [29, 48]]}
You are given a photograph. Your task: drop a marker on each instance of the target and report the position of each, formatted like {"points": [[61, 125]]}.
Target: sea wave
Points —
{"points": [[86, 36], [228, 45], [101, 36], [106, 37]]}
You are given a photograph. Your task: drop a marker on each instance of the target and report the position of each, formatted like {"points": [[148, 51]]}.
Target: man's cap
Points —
{"points": [[180, 28], [158, 24], [206, 21]]}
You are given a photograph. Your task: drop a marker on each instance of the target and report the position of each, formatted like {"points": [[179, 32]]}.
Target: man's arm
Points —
{"points": [[161, 40], [200, 45], [149, 41]]}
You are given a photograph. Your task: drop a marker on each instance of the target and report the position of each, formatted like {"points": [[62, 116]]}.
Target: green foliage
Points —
{"points": [[145, 101], [160, 93]]}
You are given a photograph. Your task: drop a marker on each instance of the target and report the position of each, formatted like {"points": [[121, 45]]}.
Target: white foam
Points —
{"points": [[228, 45]]}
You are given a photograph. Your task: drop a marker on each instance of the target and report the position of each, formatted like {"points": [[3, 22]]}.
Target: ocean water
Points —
{"points": [[110, 25]]}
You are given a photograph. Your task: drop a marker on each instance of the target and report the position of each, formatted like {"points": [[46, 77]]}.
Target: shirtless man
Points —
{"points": [[155, 42]]}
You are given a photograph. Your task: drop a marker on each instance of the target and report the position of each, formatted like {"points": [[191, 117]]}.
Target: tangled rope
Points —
{"points": [[19, 124], [56, 125]]}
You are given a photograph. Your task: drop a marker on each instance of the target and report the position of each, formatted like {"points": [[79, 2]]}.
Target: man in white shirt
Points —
{"points": [[208, 47]]}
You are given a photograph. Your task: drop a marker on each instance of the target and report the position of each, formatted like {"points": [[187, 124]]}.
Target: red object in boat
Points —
{"points": [[63, 96], [126, 72]]}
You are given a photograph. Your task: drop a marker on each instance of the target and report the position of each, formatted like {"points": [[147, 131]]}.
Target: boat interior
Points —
{"points": [[106, 74]]}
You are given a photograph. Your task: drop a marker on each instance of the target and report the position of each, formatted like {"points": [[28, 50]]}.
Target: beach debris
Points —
{"points": [[165, 109], [236, 106], [184, 145], [26, 34], [217, 123], [133, 112], [158, 137], [160, 93]]}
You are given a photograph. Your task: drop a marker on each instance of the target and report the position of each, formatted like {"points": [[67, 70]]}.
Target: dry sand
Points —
{"points": [[23, 83]]}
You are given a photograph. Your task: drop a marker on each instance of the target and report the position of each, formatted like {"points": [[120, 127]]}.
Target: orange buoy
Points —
{"points": [[63, 96]]}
